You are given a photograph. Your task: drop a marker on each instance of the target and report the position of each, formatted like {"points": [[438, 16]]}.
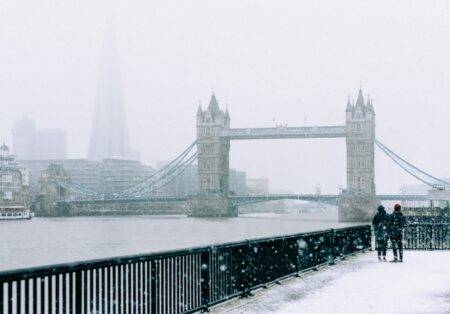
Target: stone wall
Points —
{"points": [[58, 209]]}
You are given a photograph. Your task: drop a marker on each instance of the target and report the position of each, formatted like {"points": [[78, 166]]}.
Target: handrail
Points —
{"points": [[201, 275], [158, 254], [427, 236]]}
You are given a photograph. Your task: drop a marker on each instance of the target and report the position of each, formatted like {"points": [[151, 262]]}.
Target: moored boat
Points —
{"points": [[15, 213]]}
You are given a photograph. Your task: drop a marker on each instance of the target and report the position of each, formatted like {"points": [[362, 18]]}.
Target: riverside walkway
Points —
{"points": [[359, 284], [339, 274]]}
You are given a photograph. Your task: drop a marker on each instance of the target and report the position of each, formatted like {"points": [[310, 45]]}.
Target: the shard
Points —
{"points": [[109, 133]]}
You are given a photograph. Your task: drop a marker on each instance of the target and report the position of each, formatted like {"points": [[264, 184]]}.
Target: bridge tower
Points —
{"points": [[213, 163], [357, 202]]}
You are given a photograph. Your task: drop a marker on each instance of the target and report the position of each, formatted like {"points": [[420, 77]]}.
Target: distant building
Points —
{"points": [[31, 144], [24, 135], [422, 189], [13, 180], [110, 175], [186, 183], [238, 182], [81, 171], [109, 133], [120, 174], [84, 172], [414, 189], [183, 185], [438, 197], [258, 186]]}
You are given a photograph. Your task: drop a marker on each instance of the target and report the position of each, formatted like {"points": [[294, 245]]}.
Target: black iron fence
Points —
{"points": [[428, 219], [182, 281], [427, 236]]}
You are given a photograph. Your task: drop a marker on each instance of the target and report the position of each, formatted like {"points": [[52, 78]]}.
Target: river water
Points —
{"points": [[43, 241]]}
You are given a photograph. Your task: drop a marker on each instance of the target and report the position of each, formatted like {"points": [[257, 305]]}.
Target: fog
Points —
{"points": [[271, 61]]}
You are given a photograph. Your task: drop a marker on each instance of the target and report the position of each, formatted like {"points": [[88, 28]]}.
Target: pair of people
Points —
{"points": [[389, 227]]}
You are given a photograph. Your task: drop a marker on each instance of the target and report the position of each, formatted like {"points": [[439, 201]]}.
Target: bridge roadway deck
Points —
{"points": [[250, 199], [360, 285]]}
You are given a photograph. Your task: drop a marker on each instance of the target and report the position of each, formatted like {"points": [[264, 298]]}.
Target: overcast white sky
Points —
{"points": [[282, 59]]}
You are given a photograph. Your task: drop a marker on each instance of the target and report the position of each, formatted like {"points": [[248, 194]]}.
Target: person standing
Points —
{"points": [[380, 225], [397, 224]]}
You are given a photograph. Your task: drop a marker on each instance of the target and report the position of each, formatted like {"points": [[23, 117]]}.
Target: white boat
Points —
{"points": [[15, 213]]}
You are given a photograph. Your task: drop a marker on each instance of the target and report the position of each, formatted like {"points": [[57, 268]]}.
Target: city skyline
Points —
{"points": [[30, 142], [291, 77]]}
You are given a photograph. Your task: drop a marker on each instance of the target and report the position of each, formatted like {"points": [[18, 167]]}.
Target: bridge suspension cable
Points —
{"points": [[78, 189], [419, 174], [162, 182], [160, 175], [180, 156], [150, 184]]}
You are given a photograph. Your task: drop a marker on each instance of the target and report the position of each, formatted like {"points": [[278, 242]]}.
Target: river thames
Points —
{"points": [[43, 241]]}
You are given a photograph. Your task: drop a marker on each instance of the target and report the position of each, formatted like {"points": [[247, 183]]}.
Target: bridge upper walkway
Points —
{"points": [[284, 132], [360, 285]]}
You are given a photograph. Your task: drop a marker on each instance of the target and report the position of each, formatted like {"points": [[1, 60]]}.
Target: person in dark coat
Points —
{"points": [[397, 223], [381, 228]]}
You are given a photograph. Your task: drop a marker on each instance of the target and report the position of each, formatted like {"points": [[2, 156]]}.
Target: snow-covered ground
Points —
{"points": [[360, 285]]}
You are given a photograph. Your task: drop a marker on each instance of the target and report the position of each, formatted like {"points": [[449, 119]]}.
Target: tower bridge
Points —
{"points": [[213, 148]]}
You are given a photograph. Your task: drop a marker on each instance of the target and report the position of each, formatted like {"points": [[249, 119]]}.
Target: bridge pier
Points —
{"points": [[211, 206], [357, 208]]}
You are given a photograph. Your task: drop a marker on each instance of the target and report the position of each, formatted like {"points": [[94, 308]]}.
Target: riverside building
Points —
{"points": [[13, 187]]}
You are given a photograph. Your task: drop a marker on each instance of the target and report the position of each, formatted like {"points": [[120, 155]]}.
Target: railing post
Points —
{"points": [[431, 237], [366, 239], [332, 248], [153, 286], [78, 291], [205, 278], [1, 297]]}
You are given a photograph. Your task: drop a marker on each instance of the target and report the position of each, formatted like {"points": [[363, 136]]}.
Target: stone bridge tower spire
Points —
{"points": [[358, 200], [213, 163]]}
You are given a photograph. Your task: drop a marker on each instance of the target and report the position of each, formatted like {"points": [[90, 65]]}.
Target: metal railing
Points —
{"points": [[182, 281], [427, 236]]}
